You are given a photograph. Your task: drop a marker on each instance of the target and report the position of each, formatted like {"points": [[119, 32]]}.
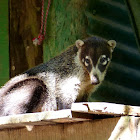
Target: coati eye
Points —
{"points": [[104, 60], [86, 61]]}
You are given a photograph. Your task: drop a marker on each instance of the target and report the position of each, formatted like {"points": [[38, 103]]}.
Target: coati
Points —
{"points": [[69, 77]]}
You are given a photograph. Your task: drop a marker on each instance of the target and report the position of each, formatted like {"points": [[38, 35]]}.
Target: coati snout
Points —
{"points": [[94, 79]]}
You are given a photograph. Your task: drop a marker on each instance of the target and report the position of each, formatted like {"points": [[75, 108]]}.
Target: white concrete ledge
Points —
{"points": [[106, 108]]}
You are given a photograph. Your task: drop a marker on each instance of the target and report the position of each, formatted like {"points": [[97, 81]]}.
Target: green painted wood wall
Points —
{"points": [[4, 42], [66, 23]]}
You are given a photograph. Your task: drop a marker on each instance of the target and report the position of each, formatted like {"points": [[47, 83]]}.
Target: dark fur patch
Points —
{"points": [[35, 100], [37, 95], [24, 82], [101, 67]]}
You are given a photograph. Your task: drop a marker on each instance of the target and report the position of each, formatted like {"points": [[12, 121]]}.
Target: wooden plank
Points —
{"points": [[22, 120], [124, 128], [87, 130], [60, 124], [4, 42], [86, 110], [103, 108]]}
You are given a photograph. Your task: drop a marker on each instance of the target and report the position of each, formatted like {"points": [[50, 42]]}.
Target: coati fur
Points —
{"points": [[69, 77]]}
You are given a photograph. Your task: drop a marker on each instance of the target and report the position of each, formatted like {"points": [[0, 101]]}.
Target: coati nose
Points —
{"points": [[94, 79]]}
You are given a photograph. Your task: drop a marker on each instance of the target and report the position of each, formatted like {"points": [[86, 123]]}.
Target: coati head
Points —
{"points": [[95, 54]]}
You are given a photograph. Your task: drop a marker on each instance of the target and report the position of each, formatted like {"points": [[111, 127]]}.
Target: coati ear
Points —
{"points": [[79, 43], [112, 44]]}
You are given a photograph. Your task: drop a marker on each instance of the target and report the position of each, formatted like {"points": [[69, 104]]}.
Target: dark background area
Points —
{"points": [[110, 19]]}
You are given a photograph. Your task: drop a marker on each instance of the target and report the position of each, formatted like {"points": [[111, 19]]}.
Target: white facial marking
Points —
{"points": [[105, 60], [87, 57], [103, 56]]}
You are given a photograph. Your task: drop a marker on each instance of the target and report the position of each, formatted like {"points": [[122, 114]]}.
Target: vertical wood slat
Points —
{"points": [[24, 26], [66, 23], [85, 130], [4, 42]]}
